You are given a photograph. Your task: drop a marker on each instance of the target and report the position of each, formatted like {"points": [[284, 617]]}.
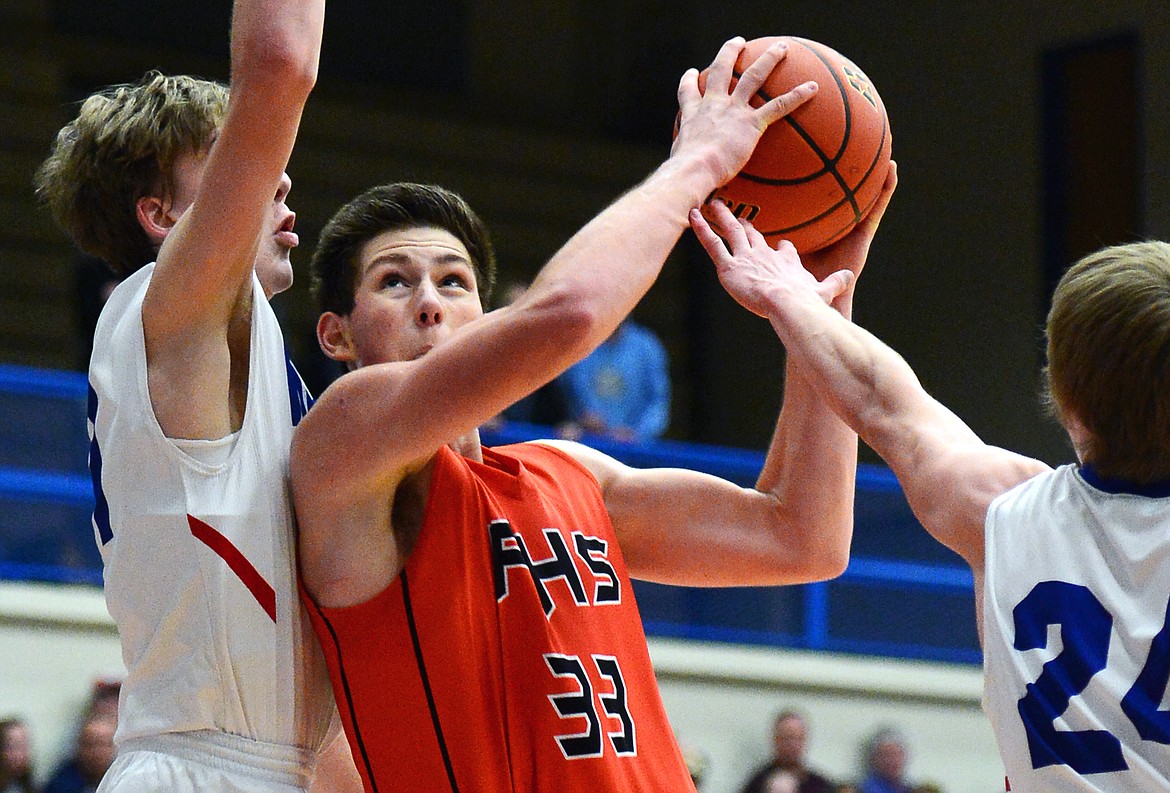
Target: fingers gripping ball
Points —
{"points": [[816, 172]]}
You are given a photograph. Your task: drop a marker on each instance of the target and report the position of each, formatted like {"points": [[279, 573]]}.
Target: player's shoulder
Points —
{"points": [[599, 465]]}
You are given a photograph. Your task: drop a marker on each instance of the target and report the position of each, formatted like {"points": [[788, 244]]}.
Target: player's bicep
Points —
{"points": [[690, 528]]}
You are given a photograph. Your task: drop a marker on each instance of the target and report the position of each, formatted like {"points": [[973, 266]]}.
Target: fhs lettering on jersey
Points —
{"points": [[238, 563], [510, 553]]}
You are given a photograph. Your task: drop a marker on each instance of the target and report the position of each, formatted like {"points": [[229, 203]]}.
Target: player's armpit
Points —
{"points": [[951, 483]]}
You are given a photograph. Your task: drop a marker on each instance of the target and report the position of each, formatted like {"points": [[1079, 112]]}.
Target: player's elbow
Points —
{"points": [[572, 325], [812, 546], [828, 563], [284, 68]]}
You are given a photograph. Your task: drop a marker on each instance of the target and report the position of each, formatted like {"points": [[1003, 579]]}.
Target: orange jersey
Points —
{"points": [[509, 653]]}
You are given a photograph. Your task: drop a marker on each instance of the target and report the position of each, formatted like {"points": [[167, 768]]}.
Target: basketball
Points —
{"points": [[816, 172]]}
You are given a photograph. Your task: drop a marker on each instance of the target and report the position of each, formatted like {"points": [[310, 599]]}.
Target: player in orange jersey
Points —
{"points": [[474, 604]]}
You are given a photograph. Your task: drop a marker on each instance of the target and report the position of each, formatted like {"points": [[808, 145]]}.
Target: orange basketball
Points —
{"points": [[816, 172]]}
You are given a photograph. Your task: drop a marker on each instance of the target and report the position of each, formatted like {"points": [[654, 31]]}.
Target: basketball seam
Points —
{"points": [[858, 214]]}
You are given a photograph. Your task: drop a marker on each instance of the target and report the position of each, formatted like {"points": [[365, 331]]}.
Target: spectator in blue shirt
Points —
{"points": [[83, 771], [886, 760], [622, 389]]}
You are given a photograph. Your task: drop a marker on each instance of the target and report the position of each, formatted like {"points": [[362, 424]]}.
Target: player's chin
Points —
{"points": [[275, 271]]}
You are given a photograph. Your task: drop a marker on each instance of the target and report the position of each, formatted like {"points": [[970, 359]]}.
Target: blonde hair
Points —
{"points": [[122, 146], [1109, 358]]}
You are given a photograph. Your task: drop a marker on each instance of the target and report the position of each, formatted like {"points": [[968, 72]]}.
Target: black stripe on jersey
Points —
{"points": [[357, 730], [426, 683]]}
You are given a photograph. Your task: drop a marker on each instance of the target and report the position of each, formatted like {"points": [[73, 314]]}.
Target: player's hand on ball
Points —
{"points": [[750, 269], [718, 123]]}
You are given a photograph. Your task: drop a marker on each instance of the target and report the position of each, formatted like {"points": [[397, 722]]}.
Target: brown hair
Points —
{"points": [[1109, 358], [122, 146], [389, 208]]}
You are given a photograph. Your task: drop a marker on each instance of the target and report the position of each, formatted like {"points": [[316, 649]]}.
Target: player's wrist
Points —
{"points": [[694, 173], [793, 304]]}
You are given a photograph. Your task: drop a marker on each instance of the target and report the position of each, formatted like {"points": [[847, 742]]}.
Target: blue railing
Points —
{"points": [[902, 595]]}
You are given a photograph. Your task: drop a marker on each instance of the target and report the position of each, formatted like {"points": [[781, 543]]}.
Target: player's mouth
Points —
{"points": [[285, 235], [423, 352]]}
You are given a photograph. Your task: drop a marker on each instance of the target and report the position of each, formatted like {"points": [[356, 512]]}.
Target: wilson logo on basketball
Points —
{"points": [[861, 83], [741, 210]]}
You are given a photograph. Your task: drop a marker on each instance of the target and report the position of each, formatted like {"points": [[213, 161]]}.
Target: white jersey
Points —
{"points": [[1075, 634], [200, 566]]}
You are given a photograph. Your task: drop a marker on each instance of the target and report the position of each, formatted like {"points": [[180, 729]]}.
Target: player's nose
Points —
{"points": [[429, 309], [283, 188]]}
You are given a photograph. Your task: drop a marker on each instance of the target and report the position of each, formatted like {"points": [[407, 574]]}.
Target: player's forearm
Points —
{"points": [[206, 265], [811, 469], [607, 266], [864, 381]]}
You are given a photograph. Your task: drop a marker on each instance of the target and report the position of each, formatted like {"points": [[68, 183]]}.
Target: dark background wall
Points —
{"points": [[1026, 133]]}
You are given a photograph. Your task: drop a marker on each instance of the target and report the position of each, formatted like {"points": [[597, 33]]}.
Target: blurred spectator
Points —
{"points": [[696, 760], [786, 772], [82, 772], [885, 758], [622, 389], [16, 772], [103, 701], [546, 405]]}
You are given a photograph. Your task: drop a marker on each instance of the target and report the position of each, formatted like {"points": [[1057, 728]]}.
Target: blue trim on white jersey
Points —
{"points": [[1159, 489], [101, 507], [299, 398]]}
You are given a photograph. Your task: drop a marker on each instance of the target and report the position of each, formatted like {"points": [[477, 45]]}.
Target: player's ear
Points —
{"points": [[333, 336], [153, 213]]}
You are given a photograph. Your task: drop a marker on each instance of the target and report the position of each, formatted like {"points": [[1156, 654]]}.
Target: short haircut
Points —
{"points": [[123, 145], [403, 205], [787, 714], [1109, 358], [883, 736]]}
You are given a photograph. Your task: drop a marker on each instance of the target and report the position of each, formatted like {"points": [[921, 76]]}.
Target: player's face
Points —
{"points": [[416, 287], [788, 739], [187, 175], [273, 265], [889, 760]]}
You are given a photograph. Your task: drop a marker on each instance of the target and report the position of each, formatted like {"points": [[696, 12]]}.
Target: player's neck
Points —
{"points": [[468, 446]]}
